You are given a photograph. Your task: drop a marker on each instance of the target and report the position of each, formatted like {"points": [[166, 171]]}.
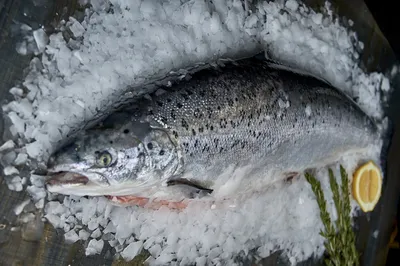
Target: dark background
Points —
{"points": [[387, 17], [51, 250]]}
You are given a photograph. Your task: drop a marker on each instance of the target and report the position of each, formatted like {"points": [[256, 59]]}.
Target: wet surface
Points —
{"points": [[25, 246]]}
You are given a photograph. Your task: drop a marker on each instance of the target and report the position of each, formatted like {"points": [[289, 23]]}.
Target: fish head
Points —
{"points": [[116, 161]]}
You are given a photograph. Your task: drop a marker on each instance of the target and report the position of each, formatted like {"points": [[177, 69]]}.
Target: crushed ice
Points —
{"points": [[74, 78]]}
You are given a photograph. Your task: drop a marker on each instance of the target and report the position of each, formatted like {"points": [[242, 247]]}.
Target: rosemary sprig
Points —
{"points": [[350, 237], [340, 240]]}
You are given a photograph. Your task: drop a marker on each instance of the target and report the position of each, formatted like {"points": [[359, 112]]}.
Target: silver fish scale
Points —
{"points": [[249, 111], [241, 124]]}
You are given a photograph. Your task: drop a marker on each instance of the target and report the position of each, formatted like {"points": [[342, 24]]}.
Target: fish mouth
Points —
{"points": [[66, 178], [73, 183]]}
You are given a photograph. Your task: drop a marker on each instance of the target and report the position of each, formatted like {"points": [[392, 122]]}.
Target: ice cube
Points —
{"points": [[132, 250]]}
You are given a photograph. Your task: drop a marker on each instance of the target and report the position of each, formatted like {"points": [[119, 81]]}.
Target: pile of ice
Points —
{"points": [[285, 217], [125, 44]]}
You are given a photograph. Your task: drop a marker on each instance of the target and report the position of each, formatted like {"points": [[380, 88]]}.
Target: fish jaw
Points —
{"points": [[131, 194], [79, 184], [72, 183], [67, 178]]}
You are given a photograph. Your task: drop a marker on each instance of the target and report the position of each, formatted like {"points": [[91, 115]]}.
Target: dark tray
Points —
{"points": [[51, 250]]}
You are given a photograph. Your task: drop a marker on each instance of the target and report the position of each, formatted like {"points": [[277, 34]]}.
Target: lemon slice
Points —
{"points": [[367, 185]]}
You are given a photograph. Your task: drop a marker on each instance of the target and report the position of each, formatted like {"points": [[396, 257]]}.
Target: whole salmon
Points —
{"points": [[243, 119]]}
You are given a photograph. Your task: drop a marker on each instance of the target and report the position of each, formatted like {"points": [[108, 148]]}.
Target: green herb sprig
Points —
{"points": [[340, 239]]}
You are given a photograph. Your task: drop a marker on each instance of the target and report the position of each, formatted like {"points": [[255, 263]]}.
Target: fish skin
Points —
{"points": [[250, 110], [246, 114]]}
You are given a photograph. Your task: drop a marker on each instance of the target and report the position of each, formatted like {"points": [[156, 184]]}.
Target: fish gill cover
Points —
{"points": [[128, 44]]}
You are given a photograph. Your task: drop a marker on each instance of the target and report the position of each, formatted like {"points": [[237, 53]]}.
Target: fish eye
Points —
{"points": [[104, 159]]}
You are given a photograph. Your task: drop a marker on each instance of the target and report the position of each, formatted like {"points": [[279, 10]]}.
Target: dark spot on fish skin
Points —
{"points": [[205, 148], [126, 131], [193, 132], [164, 120], [236, 142], [211, 128], [111, 142], [179, 105], [185, 124], [162, 152], [216, 142], [150, 146], [236, 99], [159, 103], [201, 129], [219, 107], [175, 133], [196, 143], [221, 149], [128, 157], [191, 154], [169, 100]]}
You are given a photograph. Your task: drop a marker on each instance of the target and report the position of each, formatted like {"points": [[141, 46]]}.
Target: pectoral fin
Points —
{"points": [[186, 182]]}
